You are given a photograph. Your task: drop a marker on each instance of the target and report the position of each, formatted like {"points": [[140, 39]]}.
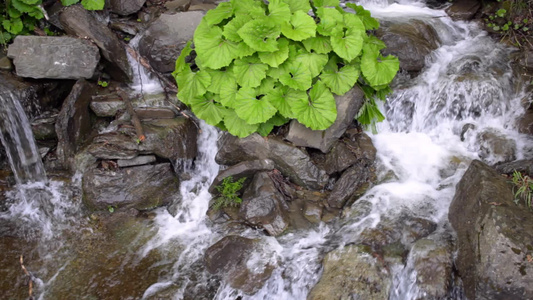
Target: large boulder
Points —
{"points": [[463, 9], [125, 7], [411, 42], [495, 147], [348, 106], [242, 169], [244, 263], [142, 187], [494, 236], [352, 273], [77, 21], [165, 38], [264, 206], [53, 57], [73, 123]]}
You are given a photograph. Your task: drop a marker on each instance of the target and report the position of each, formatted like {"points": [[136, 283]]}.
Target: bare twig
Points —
{"points": [[30, 277], [134, 118]]}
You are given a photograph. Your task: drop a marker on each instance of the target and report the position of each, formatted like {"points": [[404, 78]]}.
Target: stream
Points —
{"points": [[434, 128]]}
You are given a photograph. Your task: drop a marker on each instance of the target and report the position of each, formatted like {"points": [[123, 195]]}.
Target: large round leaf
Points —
{"points": [[340, 81], [319, 44], [230, 30], [281, 97], [278, 11], [348, 45], [378, 70], [249, 71], [251, 109], [319, 111], [237, 126], [277, 120], [223, 11], [192, 85], [260, 35], [212, 49], [298, 77], [276, 58], [314, 62], [298, 5], [219, 78], [300, 27], [207, 110], [331, 21]]}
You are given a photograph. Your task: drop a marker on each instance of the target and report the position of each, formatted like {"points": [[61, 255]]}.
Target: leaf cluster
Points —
{"points": [[258, 65], [512, 20], [229, 193], [524, 186]]}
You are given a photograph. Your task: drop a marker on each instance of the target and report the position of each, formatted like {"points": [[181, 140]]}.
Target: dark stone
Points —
{"points": [[264, 206], [73, 123], [113, 145], [348, 106], [44, 128], [351, 185], [526, 60], [354, 148], [411, 42], [107, 107], [523, 166], [290, 160], [170, 138], [125, 7], [77, 21], [242, 169], [230, 257], [142, 187], [154, 113], [525, 123], [463, 9], [177, 5], [495, 147], [494, 236], [137, 161], [163, 41]]}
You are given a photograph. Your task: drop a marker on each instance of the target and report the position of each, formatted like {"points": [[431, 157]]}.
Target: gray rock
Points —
{"points": [[526, 60], [244, 263], [107, 107], [154, 113], [525, 123], [44, 128], [73, 124], [77, 21], [312, 212], [356, 147], [411, 42], [523, 166], [137, 161], [290, 160], [142, 187], [125, 7], [348, 106], [53, 57], [352, 273], [163, 40], [170, 138], [494, 236], [5, 64], [113, 145], [242, 169], [350, 186], [494, 147], [463, 9]]}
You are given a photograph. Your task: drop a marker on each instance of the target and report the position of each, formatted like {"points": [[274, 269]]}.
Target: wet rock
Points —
{"points": [[142, 187], [351, 185], [463, 9], [77, 21], [125, 7], [244, 263], [525, 123], [177, 5], [494, 236], [464, 131], [495, 147], [312, 212], [170, 138], [339, 158], [290, 160], [348, 106], [166, 37], [107, 107], [6, 64], [356, 147], [154, 113], [523, 166], [113, 145], [526, 60], [53, 57], [352, 273], [264, 206], [73, 122], [411, 42], [126, 26], [44, 128], [242, 169], [137, 161]]}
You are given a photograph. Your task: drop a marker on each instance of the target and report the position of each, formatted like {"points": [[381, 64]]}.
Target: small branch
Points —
{"points": [[30, 277], [134, 118]]}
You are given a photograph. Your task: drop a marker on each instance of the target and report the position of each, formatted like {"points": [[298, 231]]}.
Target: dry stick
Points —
{"points": [[30, 284], [134, 118]]}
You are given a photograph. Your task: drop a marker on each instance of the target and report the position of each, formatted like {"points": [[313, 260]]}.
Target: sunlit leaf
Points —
{"points": [[276, 58], [251, 109], [300, 27], [298, 77], [277, 120], [192, 85], [340, 81], [278, 11], [298, 5], [230, 30], [314, 62], [249, 71], [376, 69], [261, 35], [319, 44], [370, 23], [223, 11], [319, 111], [220, 78], [93, 4], [213, 51], [281, 97], [331, 21], [237, 126], [207, 110]]}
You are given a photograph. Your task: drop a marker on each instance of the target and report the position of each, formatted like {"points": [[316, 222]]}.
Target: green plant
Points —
{"points": [[229, 193], [525, 188], [111, 208], [511, 20], [87, 4], [259, 65], [103, 83]]}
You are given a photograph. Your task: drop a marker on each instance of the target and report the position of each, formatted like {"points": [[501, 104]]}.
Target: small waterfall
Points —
{"points": [[142, 79]]}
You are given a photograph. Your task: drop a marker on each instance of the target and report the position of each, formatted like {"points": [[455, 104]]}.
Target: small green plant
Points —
{"points": [[103, 83], [229, 193], [259, 65], [524, 185], [87, 4], [111, 208], [511, 20]]}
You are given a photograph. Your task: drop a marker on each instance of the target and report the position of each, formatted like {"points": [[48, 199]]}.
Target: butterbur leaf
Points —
{"points": [[265, 128], [252, 8], [220, 78], [228, 94], [300, 27], [278, 11], [249, 71], [192, 85], [340, 81], [213, 51], [237, 126], [251, 109], [69, 2], [281, 97], [378, 70], [298, 5], [319, 44], [369, 22], [276, 58], [383, 93], [25, 8], [13, 26], [93, 4], [331, 21], [319, 111], [37, 13], [266, 87], [260, 35], [374, 44], [320, 3], [207, 110], [223, 11], [230, 30], [314, 62], [298, 77], [13, 13], [181, 65], [31, 2], [348, 45], [369, 112]]}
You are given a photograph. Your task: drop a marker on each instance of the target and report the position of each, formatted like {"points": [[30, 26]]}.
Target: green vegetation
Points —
{"points": [[229, 193], [257, 66], [512, 20], [103, 83], [525, 188], [19, 17]]}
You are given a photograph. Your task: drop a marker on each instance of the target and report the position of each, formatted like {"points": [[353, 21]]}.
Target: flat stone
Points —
{"points": [[44, 128], [5, 64], [104, 106], [177, 5], [53, 57], [242, 169], [463, 9], [137, 161], [154, 113], [125, 7], [312, 212]]}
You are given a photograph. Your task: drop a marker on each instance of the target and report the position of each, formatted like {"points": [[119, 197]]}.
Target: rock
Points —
{"points": [[125, 7], [463, 9], [350, 186], [523, 166], [242, 169], [142, 187], [339, 158], [526, 60], [170, 138], [53, 57], [312, 212], [494, 147], [177, 5], [352, 273], [525, 123], [44, 128], [5, 64], [154, 113], [126, 26], [411, 42], [494, 236], [163, 41], [244, 263], [264, 206], [106, 107], [73, 123], [356, 147], [137, 161], [78, 21], [348, 106], [113, 145]]}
